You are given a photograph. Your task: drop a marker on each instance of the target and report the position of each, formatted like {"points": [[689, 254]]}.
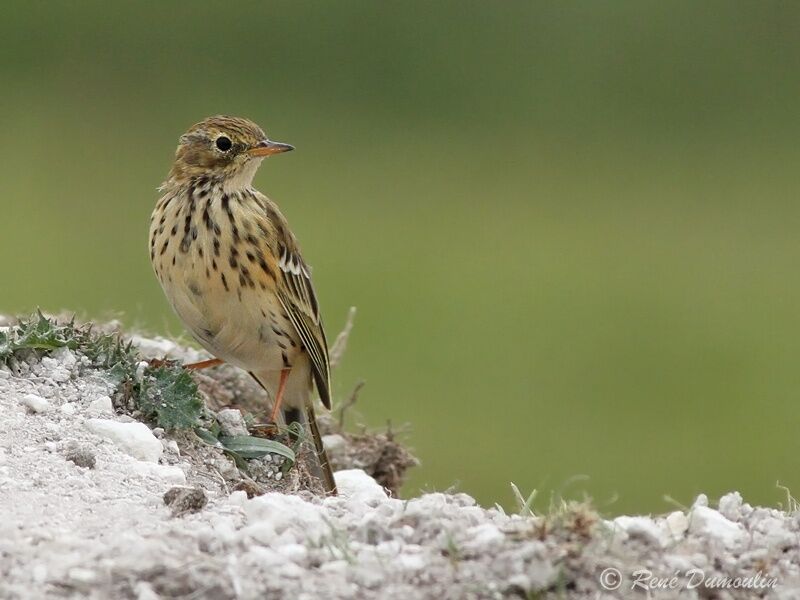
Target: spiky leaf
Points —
{"points": [[170, 395]]}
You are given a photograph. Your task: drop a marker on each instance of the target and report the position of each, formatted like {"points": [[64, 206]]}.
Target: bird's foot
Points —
{"points": [[195, 366], [265, 430]]}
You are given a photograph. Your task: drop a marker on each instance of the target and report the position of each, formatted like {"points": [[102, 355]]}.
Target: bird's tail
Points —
{"points": [[322, 467], [322, 455]]}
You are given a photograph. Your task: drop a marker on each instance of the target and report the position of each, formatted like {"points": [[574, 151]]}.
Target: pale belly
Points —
{"points": [[238, 333], [231, 328]]}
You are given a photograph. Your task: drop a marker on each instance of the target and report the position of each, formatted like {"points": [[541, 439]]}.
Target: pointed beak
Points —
{"points": [[268, 147]]}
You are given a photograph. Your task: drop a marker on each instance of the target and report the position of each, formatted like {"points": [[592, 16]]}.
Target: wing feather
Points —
{"points": [[299, 301]]}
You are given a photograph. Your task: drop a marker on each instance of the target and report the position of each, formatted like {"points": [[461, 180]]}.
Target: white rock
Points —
{"points": [[55, 370], [775, 531], [36, 403], [296, 553], [101, 405], [412, 562], [708, 522], [135, 438], [238, 498], [355, 484], [231, 422], [301, 519], [261, 532], [145, 591], [701, 500], [730, 506], [140, 368], [676, 524], [334, 442], [65, 356], [154, 347], [643, 528], [82, 576], [68, 408], [39, 573], [520, 581], [168, 474]]}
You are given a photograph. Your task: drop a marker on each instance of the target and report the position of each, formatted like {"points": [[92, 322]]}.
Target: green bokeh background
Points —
{"points": [[570, 229]]}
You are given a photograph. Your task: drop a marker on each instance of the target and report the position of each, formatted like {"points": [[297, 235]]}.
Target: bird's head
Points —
{"points": [[228, 149]]}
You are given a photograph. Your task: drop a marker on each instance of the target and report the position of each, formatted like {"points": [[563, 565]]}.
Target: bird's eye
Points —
{"points": [[224, 143]]}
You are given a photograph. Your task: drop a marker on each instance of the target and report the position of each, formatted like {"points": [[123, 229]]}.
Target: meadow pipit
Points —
{"points": [[232, 269]]}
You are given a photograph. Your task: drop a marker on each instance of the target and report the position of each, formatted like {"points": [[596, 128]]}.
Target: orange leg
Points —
{"points": [[279, 396], [204, 364]]}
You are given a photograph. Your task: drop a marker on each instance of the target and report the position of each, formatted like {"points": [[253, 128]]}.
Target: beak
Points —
{"points": [[268, 147]]}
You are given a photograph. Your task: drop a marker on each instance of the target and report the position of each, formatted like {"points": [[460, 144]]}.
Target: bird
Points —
{"points": [[233, 271]]}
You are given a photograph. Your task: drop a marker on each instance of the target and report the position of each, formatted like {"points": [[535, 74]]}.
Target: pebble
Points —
{"points": [[81, 456], [730, 506], [708, 522], [355, 484], [135, 438], [36, 403], [643, 528], [55, 370], [101, 405], [231, 422], [140, 368], [183, 500], [168, 473], [676, 524]]}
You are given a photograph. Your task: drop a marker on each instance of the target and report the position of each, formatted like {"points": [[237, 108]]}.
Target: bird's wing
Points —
{"points": [[296, 295]]}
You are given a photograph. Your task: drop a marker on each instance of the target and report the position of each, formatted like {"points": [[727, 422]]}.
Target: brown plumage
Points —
{"points": [[233, 271]]}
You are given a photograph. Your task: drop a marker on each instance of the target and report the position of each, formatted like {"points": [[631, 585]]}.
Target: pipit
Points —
{"points": [[232, 270]]}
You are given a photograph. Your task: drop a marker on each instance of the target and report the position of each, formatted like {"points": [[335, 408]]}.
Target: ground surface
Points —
{"points": [[83, 515]]}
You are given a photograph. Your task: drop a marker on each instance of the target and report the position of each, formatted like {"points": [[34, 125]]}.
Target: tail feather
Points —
{"points": [[322, 455]]}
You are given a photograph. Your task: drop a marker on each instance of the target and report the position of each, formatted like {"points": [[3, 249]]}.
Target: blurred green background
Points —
{"points": [[570, 229]]}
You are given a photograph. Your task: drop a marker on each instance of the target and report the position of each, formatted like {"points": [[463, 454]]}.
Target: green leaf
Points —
{"points": [[170, 394], [248, 446], [207, 437]]}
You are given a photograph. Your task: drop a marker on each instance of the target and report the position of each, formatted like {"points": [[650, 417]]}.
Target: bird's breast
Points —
{"points": [[211, 252]]}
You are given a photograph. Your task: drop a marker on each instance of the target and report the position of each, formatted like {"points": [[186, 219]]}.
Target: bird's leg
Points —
{"points": [[204, 364], [276, 407]]}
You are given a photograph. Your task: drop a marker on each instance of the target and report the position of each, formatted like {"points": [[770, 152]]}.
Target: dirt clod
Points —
{"points": [[82, 456], [183, 500]]}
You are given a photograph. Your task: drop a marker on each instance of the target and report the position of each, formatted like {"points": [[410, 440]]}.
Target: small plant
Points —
{"points": [[792, 505], [169, 396], [39, 334], [524, 505], [165, 394]]}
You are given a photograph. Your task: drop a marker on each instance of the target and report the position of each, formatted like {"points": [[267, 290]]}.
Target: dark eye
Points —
{"points": [[224, 143]]}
